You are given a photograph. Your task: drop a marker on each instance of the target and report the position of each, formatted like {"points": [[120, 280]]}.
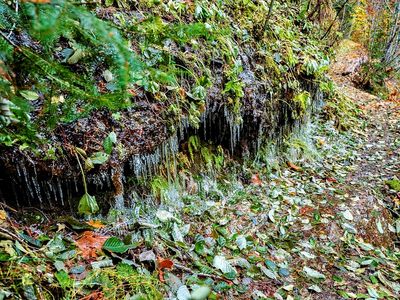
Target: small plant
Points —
{"points": [[87, 204], [159, 185], [234, 87], [301, 103]]}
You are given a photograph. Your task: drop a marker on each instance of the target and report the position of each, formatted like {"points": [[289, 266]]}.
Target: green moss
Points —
{"points": [[394, 184]]}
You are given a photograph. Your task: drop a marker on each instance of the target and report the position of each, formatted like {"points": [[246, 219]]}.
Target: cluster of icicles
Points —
{"points": [[60, 191]]}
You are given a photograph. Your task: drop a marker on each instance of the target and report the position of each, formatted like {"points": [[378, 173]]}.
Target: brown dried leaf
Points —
{"points": [[89, 243]]}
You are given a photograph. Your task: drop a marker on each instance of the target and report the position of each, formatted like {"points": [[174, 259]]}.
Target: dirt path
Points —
{"points": [[379, 158]]}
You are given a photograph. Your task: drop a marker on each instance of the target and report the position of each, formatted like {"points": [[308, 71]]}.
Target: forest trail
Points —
{"points": [[379, 157]]}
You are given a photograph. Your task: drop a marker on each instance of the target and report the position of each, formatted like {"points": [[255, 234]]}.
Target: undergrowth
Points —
{"points": [[37, 281], [61, 60]]}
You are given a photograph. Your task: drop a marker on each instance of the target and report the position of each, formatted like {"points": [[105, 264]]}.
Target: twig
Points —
{"points": [[186, 269], [8, 39], [14, 236], [3, 205], [271, 4]]}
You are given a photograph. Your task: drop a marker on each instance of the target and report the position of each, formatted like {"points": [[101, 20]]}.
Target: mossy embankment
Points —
{"points": [[123, 86]]}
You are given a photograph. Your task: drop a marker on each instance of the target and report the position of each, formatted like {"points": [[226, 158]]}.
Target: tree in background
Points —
{"points": [[376, 25]]}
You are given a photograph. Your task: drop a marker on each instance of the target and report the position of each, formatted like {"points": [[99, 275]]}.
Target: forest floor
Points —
{"points": [[323, 227]]}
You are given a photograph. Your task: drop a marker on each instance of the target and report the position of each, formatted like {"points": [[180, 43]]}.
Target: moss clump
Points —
{"points": [[394, 184]]}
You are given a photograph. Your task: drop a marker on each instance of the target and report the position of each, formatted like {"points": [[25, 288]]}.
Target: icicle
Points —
{"points": [[183, 127], [60, 191], [50, 184], [47, 192], [25, 176], [137, 165], [234, 128], [37, 186], [76, 184]]}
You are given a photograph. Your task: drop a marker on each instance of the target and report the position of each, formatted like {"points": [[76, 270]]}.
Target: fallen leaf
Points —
{"points": [[94, 296], [305, 210], [294, 167], [255, 179], [3, 216], [89, 243], [348, 215], [147, 256], [331, 179], [313, 273], [60, 227], [96, 224], [164, 263]]}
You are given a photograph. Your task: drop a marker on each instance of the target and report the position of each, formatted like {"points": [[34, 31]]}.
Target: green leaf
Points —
{"points": [[222, 264], [99, 158], [31, 240], [88, 205], [109, 2], [64, 280], [88, 164], [4, 257], [114, 244], [164, 216], [108, 76], [177, 234], [183, 293], [241, 242], [56, 244], [109, 141], [80, 151], [101, 264], [29, 95], [60, 266], [78, 54], [313, 273], [379, 227], [201, 293], [394, 184], [267, 272]]}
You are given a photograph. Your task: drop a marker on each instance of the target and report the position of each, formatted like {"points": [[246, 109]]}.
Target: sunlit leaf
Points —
{"points": [[99, 158], [201, 293], [29, 95]]}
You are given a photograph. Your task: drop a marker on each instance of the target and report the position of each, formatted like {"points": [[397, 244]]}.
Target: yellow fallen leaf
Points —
{"points": [[3, 215], [96, 224], [60, 227]]}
